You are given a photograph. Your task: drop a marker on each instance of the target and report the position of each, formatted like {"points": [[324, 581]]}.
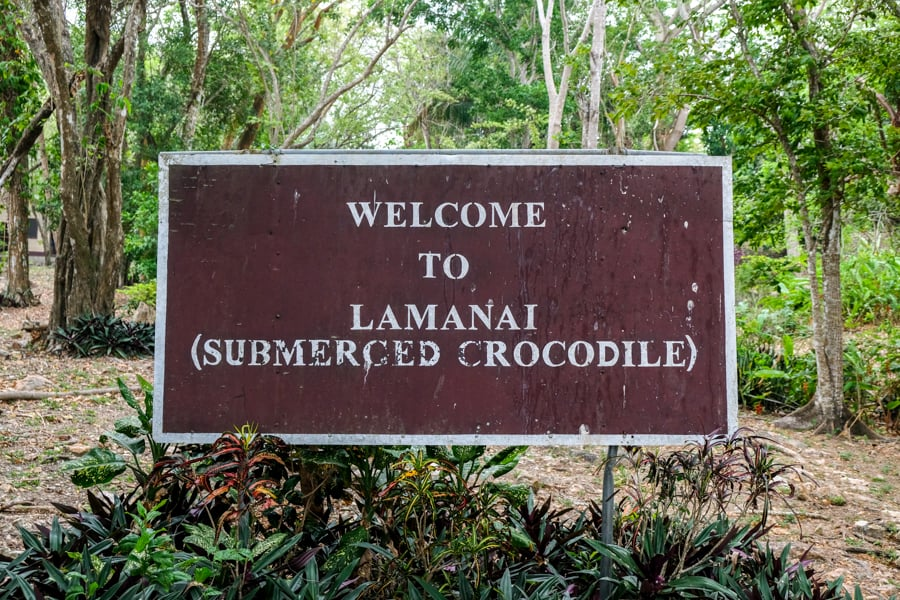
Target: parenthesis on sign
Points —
{"points": [[194, 352], [693, 352]]}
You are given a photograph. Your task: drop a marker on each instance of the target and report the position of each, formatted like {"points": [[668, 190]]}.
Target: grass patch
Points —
{"points": [[27, 479], [882, 490]]}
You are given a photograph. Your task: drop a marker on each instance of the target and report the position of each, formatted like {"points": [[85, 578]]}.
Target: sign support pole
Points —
{"points": [[606, 526]]}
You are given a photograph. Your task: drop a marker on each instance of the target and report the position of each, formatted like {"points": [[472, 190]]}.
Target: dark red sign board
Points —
{"points": [[413, 297]]}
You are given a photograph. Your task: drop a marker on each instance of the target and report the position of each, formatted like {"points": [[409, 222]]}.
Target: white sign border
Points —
{"points": [[424, 158]]}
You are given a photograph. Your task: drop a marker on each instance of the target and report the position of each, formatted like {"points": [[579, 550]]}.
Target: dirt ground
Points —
{"points": [[846, 513]]}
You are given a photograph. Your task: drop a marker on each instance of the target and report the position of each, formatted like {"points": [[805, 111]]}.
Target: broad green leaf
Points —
{"points": [[97, 467], [466, 454], [787, 343], [134, 445], [130, 426], [504, 461], [349, 549], [769, 374]]}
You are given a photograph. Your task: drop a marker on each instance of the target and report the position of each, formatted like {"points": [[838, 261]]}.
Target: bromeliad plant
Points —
{"points": [[105, 335], [689, 516]]}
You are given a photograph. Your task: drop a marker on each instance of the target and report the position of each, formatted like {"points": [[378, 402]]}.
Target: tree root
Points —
{"points": [[806, 418], [23, 299], [856, 426]]}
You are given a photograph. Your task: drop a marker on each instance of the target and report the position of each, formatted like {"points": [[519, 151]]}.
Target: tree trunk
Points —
{"points": [[557, 95], [43, 221], [198, 75], [832, 366], [251, 128], [674, 135], [591, 134], [828, 403], [92, 133], [791, 237], [18, 287]]}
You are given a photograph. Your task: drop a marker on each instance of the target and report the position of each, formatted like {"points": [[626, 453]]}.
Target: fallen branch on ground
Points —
{"points": [[23, 395]]}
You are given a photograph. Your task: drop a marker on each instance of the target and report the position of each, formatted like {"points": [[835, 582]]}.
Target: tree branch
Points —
{"points": [[326, 101], [882, 101], [893, 6], [26, 141]]}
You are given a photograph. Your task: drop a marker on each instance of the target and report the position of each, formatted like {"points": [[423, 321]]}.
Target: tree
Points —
{"points": [[400, 104], [652, 45], [784, 83], [557, 94], [17, 97], [91, 103], [202, 56], [495, 98], [304, 58], [590, 132]]}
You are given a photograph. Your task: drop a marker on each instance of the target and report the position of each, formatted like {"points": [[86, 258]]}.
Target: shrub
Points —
{"points": [[771, 376], [140, 218], [249, 516], [105, 335], [779, 285], [870, 287], [437, 520], [141, 292], [773, 318]]}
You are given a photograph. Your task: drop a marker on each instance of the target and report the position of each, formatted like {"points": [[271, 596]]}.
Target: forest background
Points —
{"points": [[804, 96]]}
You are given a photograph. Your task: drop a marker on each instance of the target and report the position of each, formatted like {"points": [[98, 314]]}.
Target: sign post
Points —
{"points": [[445, 298]]}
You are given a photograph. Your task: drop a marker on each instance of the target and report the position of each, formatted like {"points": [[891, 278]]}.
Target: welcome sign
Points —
{"points": [[431, 298]]}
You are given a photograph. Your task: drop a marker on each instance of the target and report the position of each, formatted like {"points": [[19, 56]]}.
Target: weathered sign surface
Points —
{"points": [[407, 298]]}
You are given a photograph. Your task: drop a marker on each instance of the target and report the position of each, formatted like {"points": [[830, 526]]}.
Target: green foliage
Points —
{"points": [[872, 376], [140, 223], [773, 316], [491, 104], [150, 551], [141, 292], [773, 312], [21, 82], [435, 519], [231, 520], [134, 434], [99, 466], [105, 335], [777, 286], [870, 288]]}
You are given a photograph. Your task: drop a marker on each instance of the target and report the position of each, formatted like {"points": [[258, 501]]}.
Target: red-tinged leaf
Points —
{"points": [[215, 494], [263, 491], [265, 487], [266, 456], [223, 468], [217, 452]]}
